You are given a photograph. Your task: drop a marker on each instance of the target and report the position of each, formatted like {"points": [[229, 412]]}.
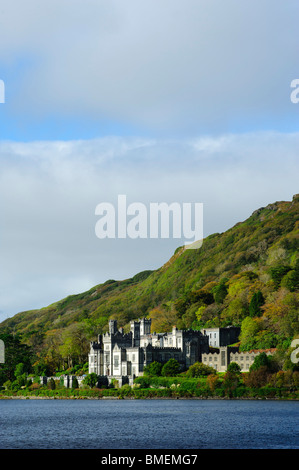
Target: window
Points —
{"points": [[223, 358]]}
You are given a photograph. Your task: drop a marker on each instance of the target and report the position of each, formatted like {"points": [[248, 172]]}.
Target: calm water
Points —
{"points": [[148, 424]]}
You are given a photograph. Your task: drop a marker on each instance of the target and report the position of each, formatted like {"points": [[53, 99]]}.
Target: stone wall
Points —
{"points": [[224, 356], [67, 380]]}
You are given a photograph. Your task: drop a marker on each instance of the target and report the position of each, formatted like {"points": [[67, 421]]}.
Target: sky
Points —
{"points": [[161, 101]]}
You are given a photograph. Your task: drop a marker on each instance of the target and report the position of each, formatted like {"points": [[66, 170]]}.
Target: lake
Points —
{"points": [[149, 424]]}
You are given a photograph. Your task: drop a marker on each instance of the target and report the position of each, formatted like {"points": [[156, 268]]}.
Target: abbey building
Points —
{"points": [[121, 356]]}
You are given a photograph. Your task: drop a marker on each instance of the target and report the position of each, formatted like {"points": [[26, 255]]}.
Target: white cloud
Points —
{"points": [[49, 191], [170, 66]]}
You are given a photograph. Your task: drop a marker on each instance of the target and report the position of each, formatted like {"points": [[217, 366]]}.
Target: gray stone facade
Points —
{"points": [[222, 336], [65, 380], [123, 356], [225, 355]]}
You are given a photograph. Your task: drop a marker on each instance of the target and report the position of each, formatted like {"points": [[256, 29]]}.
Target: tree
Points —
{"points": [[220, 291], [154, 368], [16, 352], [75, 345], [91, 379], [262, 360], [231, 381], [52, 385], [19, 370], [256, 302], [163, 317], [257, 377], [75, 383], [212, 381], [198, 369], [171, 368], [291, 279], [277, 273], [249, 329], [234, 367]]}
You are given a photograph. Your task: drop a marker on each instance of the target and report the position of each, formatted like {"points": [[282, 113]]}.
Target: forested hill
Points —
{"points": [[246, 276]]}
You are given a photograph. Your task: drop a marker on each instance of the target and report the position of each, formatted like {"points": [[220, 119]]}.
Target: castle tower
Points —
{"points": [[135, 329], [112, 327], [145, 326]]}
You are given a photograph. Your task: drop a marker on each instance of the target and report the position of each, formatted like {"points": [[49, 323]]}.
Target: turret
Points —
{"points": [[112, 327], [145, 326]]}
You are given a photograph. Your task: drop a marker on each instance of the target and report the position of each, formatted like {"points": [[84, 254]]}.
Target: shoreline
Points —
{"points": [[28, 397]]}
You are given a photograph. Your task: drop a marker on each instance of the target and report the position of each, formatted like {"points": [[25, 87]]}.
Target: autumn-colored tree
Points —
{"points": [[257, 378], [163, 319], [231, 381], [212, 381]]}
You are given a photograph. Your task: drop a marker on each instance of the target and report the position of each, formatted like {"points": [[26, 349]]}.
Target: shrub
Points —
{"points": [[143, 382], [91, 379], [155, 368], [234, 367], [200, 370], [171, 368], [125, 390], [212, 381]]}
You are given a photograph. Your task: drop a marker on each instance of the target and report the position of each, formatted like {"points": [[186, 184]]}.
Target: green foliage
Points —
{"points": [[234, 368], [199, 370], [18, 357], [221, 283], [155, 368], [277, 273], [75, 383], [91, 379], [231, 381], [171, 368], [291, 279], [262, 360], [52, 385], [249, 330], [256, 302], [220, 291]]}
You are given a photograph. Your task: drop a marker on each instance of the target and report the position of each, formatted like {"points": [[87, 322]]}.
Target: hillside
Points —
{"points": [[247, 276]]}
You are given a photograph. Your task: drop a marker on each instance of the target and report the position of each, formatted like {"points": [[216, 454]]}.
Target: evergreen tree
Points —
{"points": [[220, 291], [154, 368], [256, 302], [171, 368]]}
